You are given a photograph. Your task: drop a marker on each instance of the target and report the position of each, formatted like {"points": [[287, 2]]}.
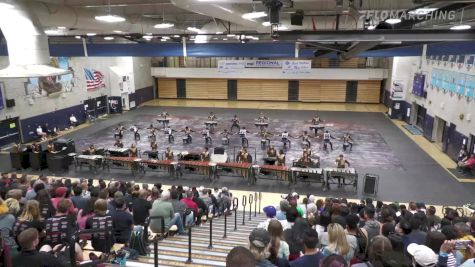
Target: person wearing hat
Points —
{"points": [[259, 240], [270, 212], [422, 255], [60, 195]]}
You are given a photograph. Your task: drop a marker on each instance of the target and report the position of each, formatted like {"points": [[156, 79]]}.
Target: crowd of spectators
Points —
{"points": [[337, 233]]}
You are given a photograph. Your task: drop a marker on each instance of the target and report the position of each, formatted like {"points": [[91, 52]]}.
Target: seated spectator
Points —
{"points": [[270, 214], [29, 218], [164, 208], [202, 208], [59, 227], [259, 240], [190, 204], [180, 207], [123, 222], [46, 206], [40, 133], [467, 165], [7, 221], [78, 200], [61, 195], [29, 256], [73, 121], [105, 240], [311, 255], [279, 248], [240, 257], [141, 207], [338, 243]]}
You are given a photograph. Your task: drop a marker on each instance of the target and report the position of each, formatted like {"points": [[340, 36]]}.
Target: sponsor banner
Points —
{"points": [[287, 66], [296, 66]]}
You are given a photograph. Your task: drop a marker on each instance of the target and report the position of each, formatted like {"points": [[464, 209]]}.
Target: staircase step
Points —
{"points": [[181, 261], [198, 246]]}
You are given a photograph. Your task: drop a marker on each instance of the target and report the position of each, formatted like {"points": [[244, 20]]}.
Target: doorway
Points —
{"points": [[471, 144], [125, 101], [438, 131], [448, 133]]}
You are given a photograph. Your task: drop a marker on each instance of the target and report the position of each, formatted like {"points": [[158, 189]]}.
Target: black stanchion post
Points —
{"points": [[251, 199], [225, 224], [188, 261], [255, 204], [235, 207], [244, 201], [260, 198], [155, 252], [210, 246]]}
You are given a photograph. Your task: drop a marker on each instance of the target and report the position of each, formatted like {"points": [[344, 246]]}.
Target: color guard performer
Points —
{"points": [[235, 123], [347, 141]]}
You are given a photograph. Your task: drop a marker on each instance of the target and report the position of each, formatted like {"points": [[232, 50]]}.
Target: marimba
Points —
{"points": [[269, 160], [132, 163], [348, 175], [118, 152], [170, 165], [210, 125], [270, 171], [94, 161], [242, 168], [204, 167], [307, 174]]}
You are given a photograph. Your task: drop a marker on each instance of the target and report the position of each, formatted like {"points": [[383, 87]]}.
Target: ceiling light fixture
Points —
{"points": [[91, 34], [51, 32], [225, 39], [62, 28], [282, 28], [461, 27], [254, 15], [77, 37], [266, 24], [423, 11], [230, 35], [116, 31], [219, 32], [147, 37], [110, 18], [108, 38], [164, 25], [194, 29], [163, 40], [176, 36], [393, 21]]}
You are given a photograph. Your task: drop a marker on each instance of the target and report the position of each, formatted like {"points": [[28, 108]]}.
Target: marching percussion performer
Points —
{"points": [[153, 146], [120, 131], [91, 150], [51, 148], [243, 155], [341, 163], [187, 131], [326, 140], [243, 134], [281, 158], [235, 123], [305, 160], [134, 152], [316, 120], [266, 138], [135, 130], [169, 154], [205, 156], [307, 150], [347, 141], [163, 118], [262, 118], [316, 124], [271, 156], [207, 136], [118, 143], [305, 139], [225, 138], [169, 132], [285, 138], [36, 148], [212, 117]]}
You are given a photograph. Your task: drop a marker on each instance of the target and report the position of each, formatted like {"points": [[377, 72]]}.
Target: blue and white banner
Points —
{"points": [[231, 66], [296, 66], [287, 66]]}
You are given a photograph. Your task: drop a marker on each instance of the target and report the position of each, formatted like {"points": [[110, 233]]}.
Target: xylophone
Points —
{"points": [[349, 176], [306, 173], [118, 152], [132, 163], [270, 172], [94, 161]]}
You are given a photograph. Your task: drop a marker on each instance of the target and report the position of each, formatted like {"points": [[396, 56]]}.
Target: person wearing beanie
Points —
{"points": [[259, 240], [284, 207], [270, 212]]}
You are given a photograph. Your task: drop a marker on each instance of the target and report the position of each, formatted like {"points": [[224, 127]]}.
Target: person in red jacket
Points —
{"points": [[468, 164], [190, 204]]}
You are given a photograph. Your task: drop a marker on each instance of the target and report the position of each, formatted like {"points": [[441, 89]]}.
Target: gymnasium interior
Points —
{"points": [[257, 101]]}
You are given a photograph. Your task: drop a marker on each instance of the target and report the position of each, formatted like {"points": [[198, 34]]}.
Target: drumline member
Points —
{"points": [[133, 151], [316, 122], [120, 131], [281, 162], [285, 138], [35, 148], [347, 141], [212, 117], [262, 118], [271, 156], [135, 130], [225, 134], [169, 132], [118, 143], [341, 162], [164, 116], [307, 150], [305, 160], [152, 136], [305, 138], [266, 135], [326, 139], [187, 131], [243, 134], [235, 123], [207, 136]]}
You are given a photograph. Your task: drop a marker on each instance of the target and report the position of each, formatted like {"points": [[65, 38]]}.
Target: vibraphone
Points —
{"points": [[118, 152], [132, 163], [341, 176], [94, 161], [269, 172], [243, 169], [307, 175]]}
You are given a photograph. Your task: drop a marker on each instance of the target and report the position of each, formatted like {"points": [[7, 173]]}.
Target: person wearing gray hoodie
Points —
{"points": [[371, 226]]}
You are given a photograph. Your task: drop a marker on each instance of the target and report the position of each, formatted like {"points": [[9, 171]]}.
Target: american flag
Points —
{"points": [[94, 79]]}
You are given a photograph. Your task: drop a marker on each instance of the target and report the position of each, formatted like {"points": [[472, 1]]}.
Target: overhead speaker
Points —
{"points": [[10, 103], [297, 18]]}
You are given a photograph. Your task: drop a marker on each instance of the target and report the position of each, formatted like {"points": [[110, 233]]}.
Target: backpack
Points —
{"points": [[137, 241]]}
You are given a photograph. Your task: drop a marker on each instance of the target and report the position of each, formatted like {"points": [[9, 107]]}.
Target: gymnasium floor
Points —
{"points": [[406, 172]]}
